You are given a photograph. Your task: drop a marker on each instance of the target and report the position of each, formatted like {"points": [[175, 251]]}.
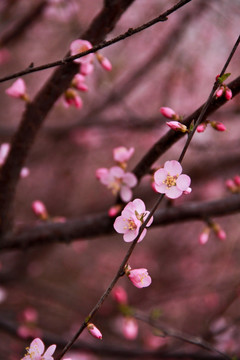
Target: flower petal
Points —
{"points": [[130, 179], [130, 235], [120, 225], [173, 192], [161, 188], [48, 353], [159, 176], [183, 182], [37, 346], [125, 193], [139, 206], [173, 167]]}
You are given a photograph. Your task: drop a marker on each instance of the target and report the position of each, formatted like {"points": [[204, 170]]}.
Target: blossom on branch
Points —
{"points": [[104, 62], [18, 90], [77, 47], [169, 113], [117, 181], [78, 82], [133, 216], [121, 154], [177, 126], [72, 98], [139, 277], [94, 331], [36, 351], [170, 180]]}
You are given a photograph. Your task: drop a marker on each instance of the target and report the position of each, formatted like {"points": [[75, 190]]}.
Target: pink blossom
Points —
{"points": [[78, 82], [236, 179], [168, 113], [86, 68], [221, 234], [36, 351], [72, 98], [18, 90], [220, 91], [114, 210], [170, 180], [139, 277], [40, 210], [131, 219], [30, 315], [177, 126], [105, 63], [204, 236], [201, 127], [121, 154], [4, 150], [24, 172], [228, 93], [78, 46], [117, 181], [94, 331], [130, 328], [120, 295], [230, 185], [218, 126]]}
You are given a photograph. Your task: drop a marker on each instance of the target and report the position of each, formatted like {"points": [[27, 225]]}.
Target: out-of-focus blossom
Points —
{"points": [[233, 184], [114, 210], [40, 210], [228, 93], [220, 91], [130, 328], [139, 277], [25, 332], [117, 181], [24, 172], [86, 68], [220, 233], [4, 150], [236, 180], [120, 295], [218, 126], [131, 219], [170, 180], [204, 236], [30, 315], [78, 46], [104, 62], [169, 113], [36, 351], [121, 154], [79, 82], [177, 126], [201, 128], [72, 98], [94, 331], [18, 90]]}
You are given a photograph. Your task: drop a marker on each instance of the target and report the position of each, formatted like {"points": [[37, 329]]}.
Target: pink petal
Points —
{"points": [[173, 192], [37, 346], [130, 235], [159, 176], [120, 225], [49, 352], [116, 171], [183, 182], [143, 234], [130, 179], [173, 167], [162, 188], [125, 193], [139, 206], [150, 220]]}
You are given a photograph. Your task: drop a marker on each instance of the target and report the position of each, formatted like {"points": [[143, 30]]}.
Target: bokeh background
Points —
{"points": [[195, 287]]}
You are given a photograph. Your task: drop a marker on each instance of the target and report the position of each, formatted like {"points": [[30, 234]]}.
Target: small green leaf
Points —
{"points": [[224, 77]]}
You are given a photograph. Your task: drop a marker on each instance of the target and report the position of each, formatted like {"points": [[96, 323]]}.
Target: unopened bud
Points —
{"points": [[236, 180], [40, 210], [201, 127], [218, 126], [204, 236], [93, 330], [177, 126], [219, 92], [228, 93], [169, 113]]}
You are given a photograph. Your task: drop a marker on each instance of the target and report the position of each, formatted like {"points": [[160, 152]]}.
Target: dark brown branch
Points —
{"points": [[171, 137], [98, 225], [130, 32]]}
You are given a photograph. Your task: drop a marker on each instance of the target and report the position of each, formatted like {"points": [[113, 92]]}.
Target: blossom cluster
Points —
{"points": [[116, 178], [78, 46]]}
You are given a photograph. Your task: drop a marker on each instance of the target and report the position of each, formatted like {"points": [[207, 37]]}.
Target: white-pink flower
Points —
{"points": [[78, 46], [170, 180], [131, 219], [36, 351], [94, 331], [121, 154], [117, 181], [18, 90], [139, 277]]}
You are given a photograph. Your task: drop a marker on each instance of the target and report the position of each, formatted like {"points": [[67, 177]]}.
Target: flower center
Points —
{"points": [[115, 185], [131, 224], [170, 180]]}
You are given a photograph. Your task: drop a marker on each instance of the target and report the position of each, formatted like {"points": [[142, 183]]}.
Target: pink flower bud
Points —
{"points": [[204, 236], [230, 184], [105, 63], [78, 46], [86, 68], [139, 277], [228, 93], [78, 82], [120, 295], [177, 126], [93, 330], [168, 113], [121, 154], [221, 234], [201, 127], [101, 172], [237, 180], [218, 126], [24, 172], [71, 98], [219, 92], [130, 328], [18, 90], [40, 210], [114, 210]]}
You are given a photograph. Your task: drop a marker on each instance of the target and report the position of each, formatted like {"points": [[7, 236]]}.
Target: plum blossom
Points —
{"points": [[94, 331], [218, 126], [118, 181], [78, 82], [170, 180], [72, 98], [130, 328], [78, 46], [120, 295], [18, 90], [201, 127], [139, 277], [177, 126], [40, 210], [204, 236], [121, 154], [169, 113], [104, 62], [131, 219], [36, 351]]}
